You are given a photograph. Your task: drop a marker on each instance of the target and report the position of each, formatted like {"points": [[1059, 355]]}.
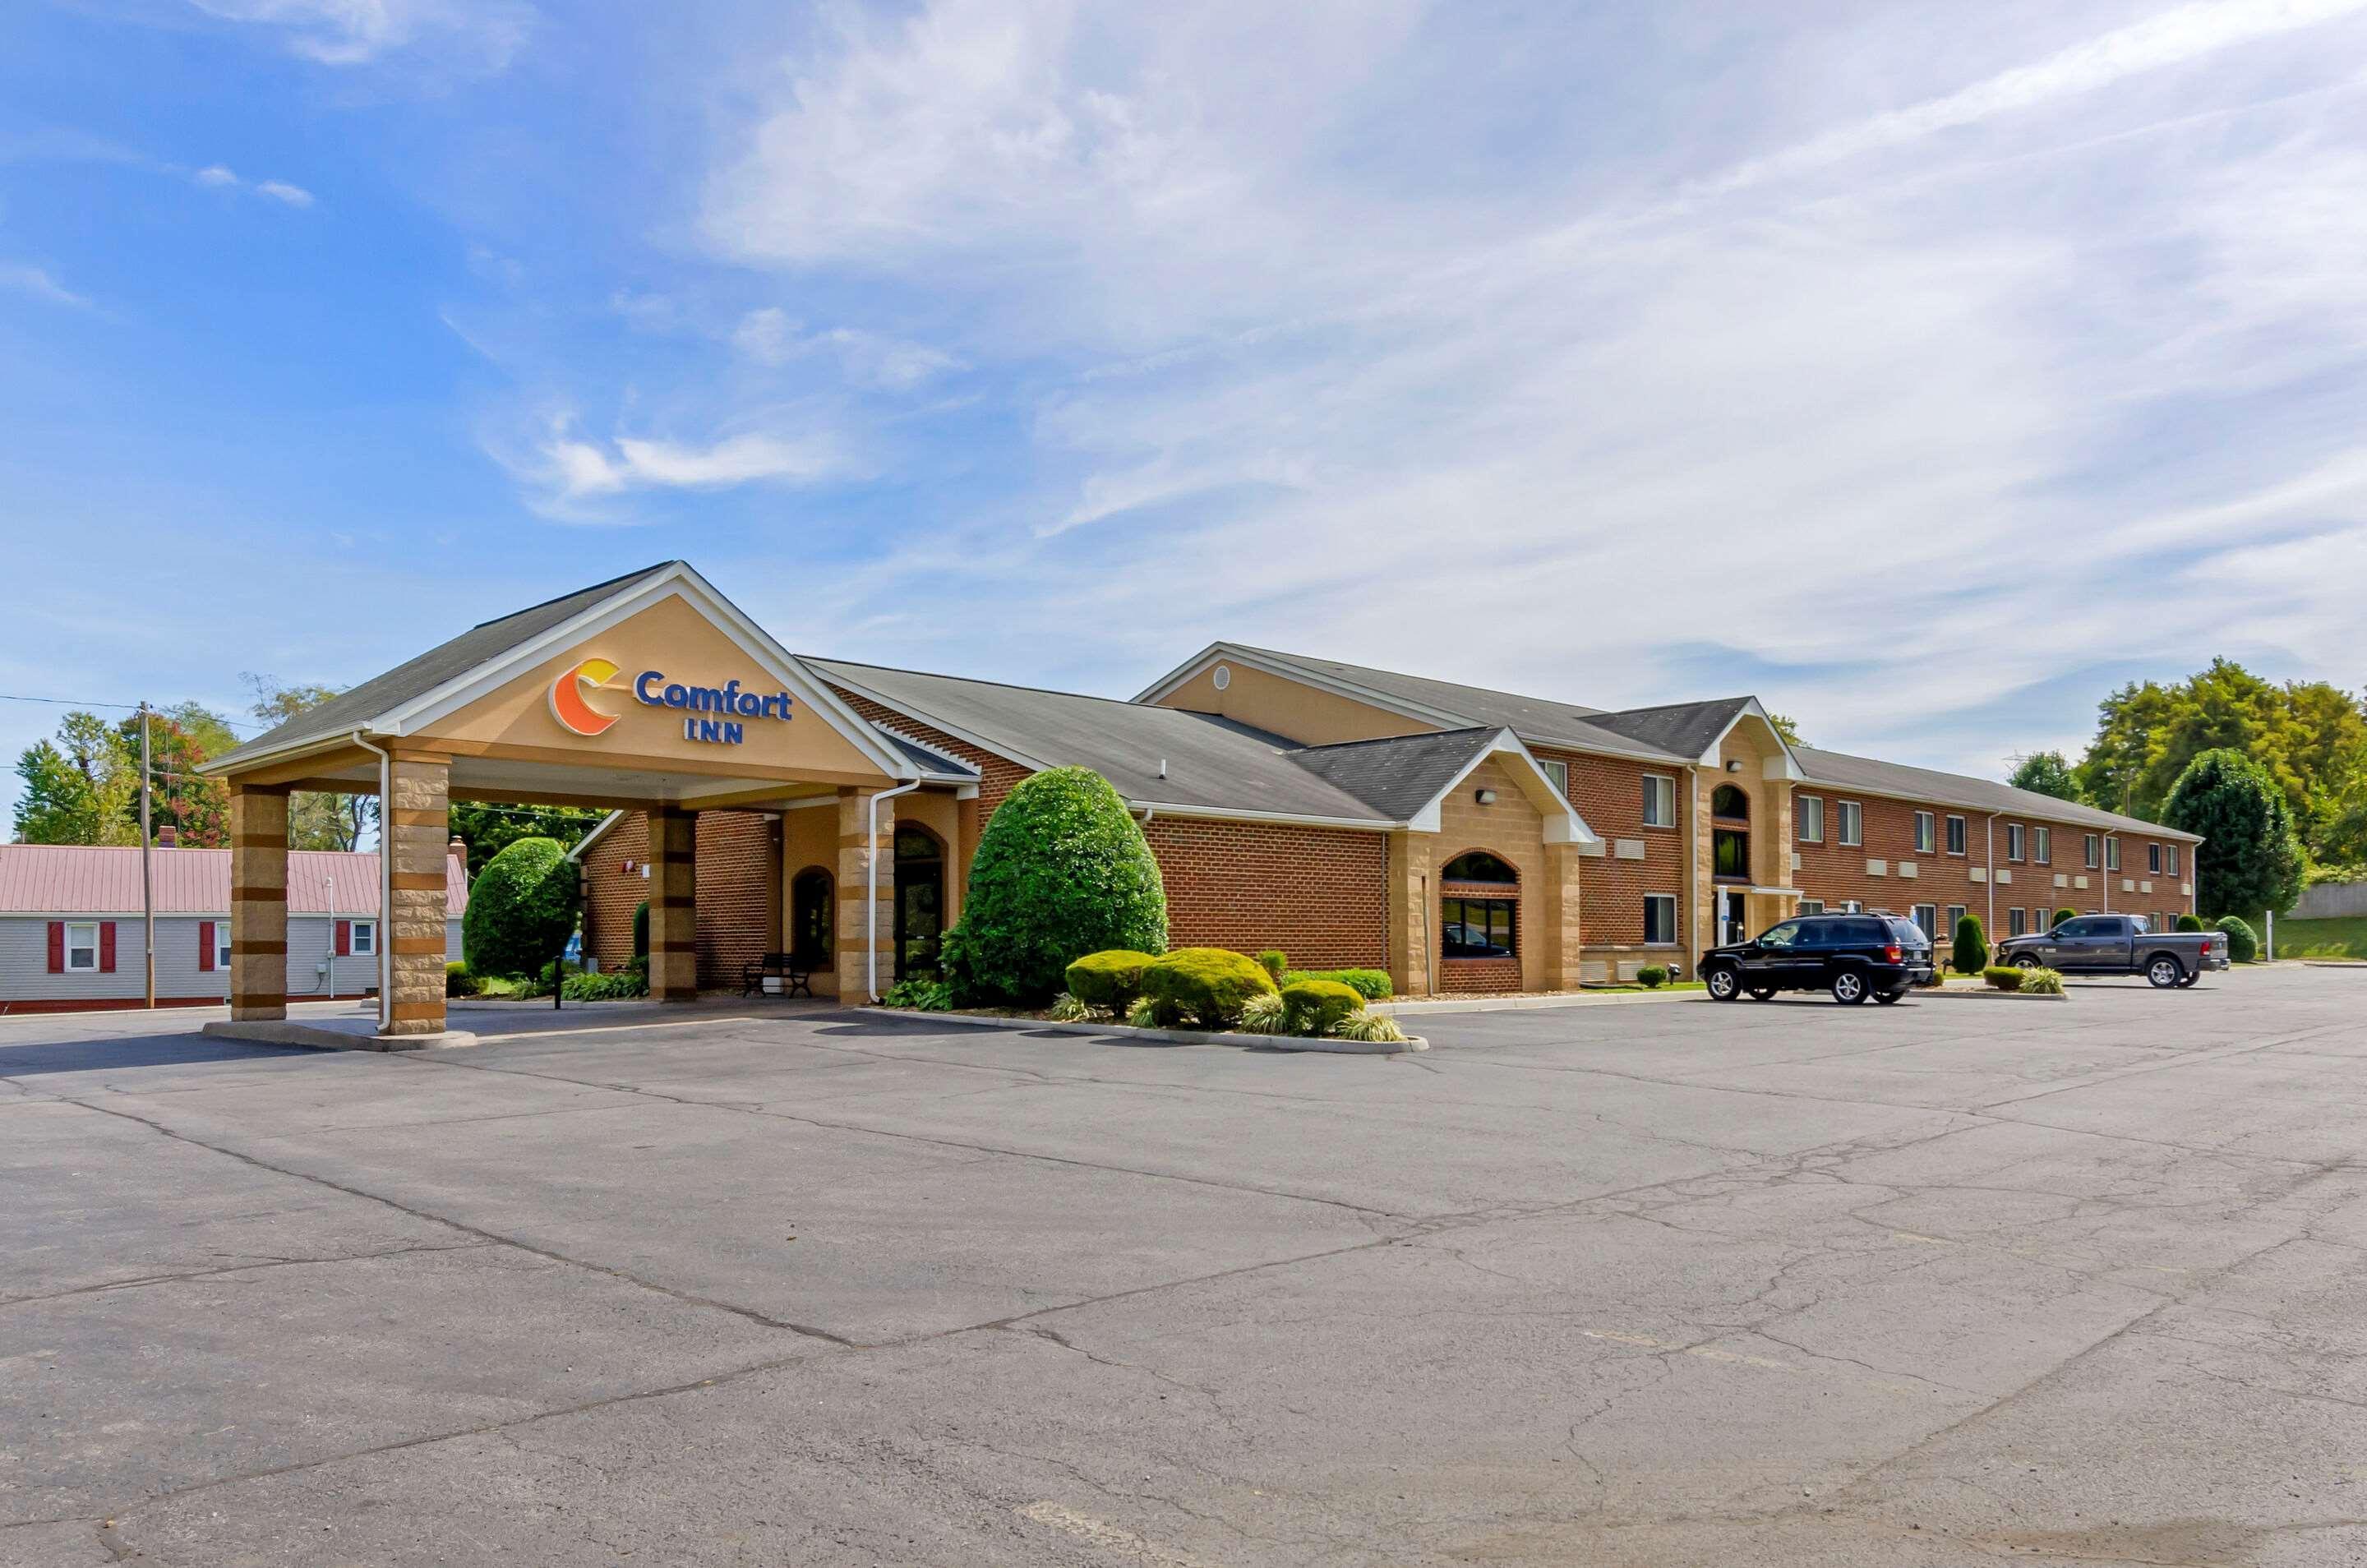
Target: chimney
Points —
{"points": [[168, 837], [459, 850]]}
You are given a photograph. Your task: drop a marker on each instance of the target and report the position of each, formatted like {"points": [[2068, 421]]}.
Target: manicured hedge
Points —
{"points": [[1315, 1007], [1652, 976], [1203, 984], [2004, 976], [2243, 942], [521, 909], [1972, 947], [1373, 985], [1109, 980], [2066, 913], [2190, 924]]}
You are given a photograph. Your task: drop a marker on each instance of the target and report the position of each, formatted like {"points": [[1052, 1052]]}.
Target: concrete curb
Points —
{"points": [[1984, 991], [1512, 1004], [1170, 1036], [327, 1037]]}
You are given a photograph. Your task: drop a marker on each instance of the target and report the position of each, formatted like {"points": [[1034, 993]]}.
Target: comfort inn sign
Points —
{"points": [[571, 705]]}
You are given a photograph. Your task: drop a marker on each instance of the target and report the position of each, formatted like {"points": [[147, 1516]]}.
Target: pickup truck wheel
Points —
{"points": [[2026, 961], [2187, 984], [1849, 986], [1762, 993], [1887, 997], [2165, 971], [1725, 985]]}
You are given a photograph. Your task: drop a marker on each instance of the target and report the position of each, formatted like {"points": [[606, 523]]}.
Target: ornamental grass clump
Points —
{"points": [[1371, 1029], [1206, 986], [2042, 983], [1265, 1014]]}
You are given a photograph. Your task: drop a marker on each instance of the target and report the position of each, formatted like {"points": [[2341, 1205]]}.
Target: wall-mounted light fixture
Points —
{"points": [[1485, 796], [1734, 764]]}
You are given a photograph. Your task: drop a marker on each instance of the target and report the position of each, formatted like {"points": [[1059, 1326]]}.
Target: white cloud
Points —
{"points": [[220, 177], [874, 360], [569, 468], [215, 174], [280, 190], [35, 281], [485, 34]]}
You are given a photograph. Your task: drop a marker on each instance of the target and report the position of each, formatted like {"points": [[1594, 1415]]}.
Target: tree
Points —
{"points": [[55, 804], [197, 807], [522, 909], [1970, 954], [2249, 859], [1062, 870], [488, 830], [316, 820], [2046, 772], [1786, 726]]}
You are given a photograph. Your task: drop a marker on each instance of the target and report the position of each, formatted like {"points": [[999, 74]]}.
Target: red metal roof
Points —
{"points": [[78, 879]]}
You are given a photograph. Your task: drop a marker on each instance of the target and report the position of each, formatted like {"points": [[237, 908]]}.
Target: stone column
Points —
{"points": [[854, 877], [674, 904], [258, 904], [967, 824], [415, 830], [1414, 911], [1558, 937]]}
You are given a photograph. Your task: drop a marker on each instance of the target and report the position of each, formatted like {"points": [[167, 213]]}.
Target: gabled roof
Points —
{"points": [[1838, 770], [1210, 764], [88, 879], [1682, 729], [360, 706], [1400, 775]]}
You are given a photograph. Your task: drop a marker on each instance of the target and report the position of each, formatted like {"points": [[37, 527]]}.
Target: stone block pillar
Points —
{"points": [[854, 889], [674, 904], [1557, 936], [416, 830], [258, 904], [1414, 911]]}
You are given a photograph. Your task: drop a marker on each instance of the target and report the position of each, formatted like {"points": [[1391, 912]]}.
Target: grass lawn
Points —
{"points": [[1636, 985], [2344, 938]]}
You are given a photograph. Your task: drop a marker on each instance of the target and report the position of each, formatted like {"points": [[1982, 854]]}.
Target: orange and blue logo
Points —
{"points": [[567, 704]]}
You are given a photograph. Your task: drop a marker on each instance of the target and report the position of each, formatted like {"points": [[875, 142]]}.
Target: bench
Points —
{"points": [[794, 969]]}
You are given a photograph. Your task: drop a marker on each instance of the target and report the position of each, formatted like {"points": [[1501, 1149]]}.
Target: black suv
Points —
{"points": [[1853, 956]]}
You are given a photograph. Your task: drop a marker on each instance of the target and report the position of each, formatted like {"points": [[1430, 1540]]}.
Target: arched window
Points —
{"points": [[810, 909], [1479, 867], [1730, 800], [1478, 912]]}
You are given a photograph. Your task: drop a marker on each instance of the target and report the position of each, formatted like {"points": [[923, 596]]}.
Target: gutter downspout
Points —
{"points": [[1988, 874], [385, 886], [1693, 870], [871, 899]]}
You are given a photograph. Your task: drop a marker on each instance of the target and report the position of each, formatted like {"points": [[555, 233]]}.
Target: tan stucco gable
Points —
{"points": [[1282, 705]]}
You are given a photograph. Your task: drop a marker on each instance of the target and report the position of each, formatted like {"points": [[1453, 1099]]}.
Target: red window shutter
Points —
{"points": [[345, 939], [204, 944], [57, 947], [107, 947]]}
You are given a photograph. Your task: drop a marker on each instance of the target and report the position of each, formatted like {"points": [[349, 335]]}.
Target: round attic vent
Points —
{"points": [[1223, 676]]}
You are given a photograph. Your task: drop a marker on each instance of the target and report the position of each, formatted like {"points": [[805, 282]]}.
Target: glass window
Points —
{"points": [[222, 945], [2013, 842], [2017, 922], [1810, 809], [1479, 867], [1852, 823], [2153, 859], [1659, 918], [1955, 913], [1925, 828], [2141, 924], [2111, 854], [1660, 801], [1812, 906], [1955, 835], [1558, 771], [2042, 845], [1728, 800], [810, 915], [1782, 934], [1730, 853], [917, 843], [2089, 847], [1927, 920], [2170, 859], [1476, 927], [82, 944], [364, 938]]}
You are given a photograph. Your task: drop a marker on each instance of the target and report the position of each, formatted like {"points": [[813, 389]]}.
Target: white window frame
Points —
{"points": [[1811, 807], [2088, 851], [73, 948], [2111, 853], [1851, 826], [2042, 846], [2017, 922], [1660, 800], [1812, 906], [1927, 833], [2170, 860], [362, 939], [2153, 860], [1557, 771], [1959, 838], [222, 945], [1670, 900], [1955, 913], [2017, 842], [1931, 927]]}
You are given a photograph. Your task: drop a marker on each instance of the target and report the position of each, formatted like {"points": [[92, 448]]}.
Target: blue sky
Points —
{"points": [[1925, 370]]}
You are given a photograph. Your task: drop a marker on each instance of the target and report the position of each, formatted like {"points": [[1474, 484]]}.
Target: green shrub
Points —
{"points": [[1315, 1007], [1373, 1028], [1373, 985], [1276, 964], [1971, 953], [1938, 976], [2066, 913], [641, 929], [1206, 985], [521, 909], [1110, 980], [2004, 976], [457, 981], [2243, 943], [1652, 976], [2190, 924], [613, 987], [1263, 1014], [2042, 982], [920, 994], [1061, 869]]}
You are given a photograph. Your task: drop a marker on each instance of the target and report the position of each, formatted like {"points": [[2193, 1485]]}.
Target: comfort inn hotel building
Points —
{"points": [[1463, 840]]}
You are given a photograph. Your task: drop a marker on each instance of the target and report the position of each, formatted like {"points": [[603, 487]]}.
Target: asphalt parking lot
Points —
{"points": [[1670, 1283]]}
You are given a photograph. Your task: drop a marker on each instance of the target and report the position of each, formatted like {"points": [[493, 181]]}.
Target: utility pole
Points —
{"points": [[147, 866]]}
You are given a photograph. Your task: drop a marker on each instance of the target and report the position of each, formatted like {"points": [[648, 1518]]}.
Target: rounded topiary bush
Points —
{"points": [[1971, 954], [1110, 980], [641, 929], [2243, 943], [1316, 1007], [1206, 986], [1652, 976], [2066, 913], [2190, 924], [522, 908], [2004, 976], [1061, 869]]}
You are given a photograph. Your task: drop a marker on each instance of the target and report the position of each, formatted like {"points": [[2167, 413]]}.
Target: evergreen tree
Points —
{"points": [[2046, 772], [55, 804], [2249, 859]]}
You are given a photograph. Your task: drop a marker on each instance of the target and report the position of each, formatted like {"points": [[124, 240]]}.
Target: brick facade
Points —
{"points": [[737, 893], [1636, 860], [1318, 894]]}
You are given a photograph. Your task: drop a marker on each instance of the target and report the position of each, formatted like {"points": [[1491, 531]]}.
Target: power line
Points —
{"points": [[127, 708]]}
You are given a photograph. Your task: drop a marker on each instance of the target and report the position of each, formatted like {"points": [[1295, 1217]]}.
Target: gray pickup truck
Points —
{"points": [[2119, 945]]}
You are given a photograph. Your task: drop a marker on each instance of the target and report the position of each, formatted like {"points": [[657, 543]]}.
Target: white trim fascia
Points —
{"points": [[968, 772], [680, 580], [1243, 814], [284, 749], [1571, 828], [596, 835], [1750, 708], [964, 735], [2147, 830]]}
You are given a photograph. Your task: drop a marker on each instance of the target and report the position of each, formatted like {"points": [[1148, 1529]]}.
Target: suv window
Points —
{"points": [[1908, 932], [1783, 935], [2087, 925]]}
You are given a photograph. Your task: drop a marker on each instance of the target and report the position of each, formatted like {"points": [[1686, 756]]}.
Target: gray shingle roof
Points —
{"points": [[926, 759], [1400, 775], [1211, 762], [1682, 729], [381, 694], [1838, 770]]}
